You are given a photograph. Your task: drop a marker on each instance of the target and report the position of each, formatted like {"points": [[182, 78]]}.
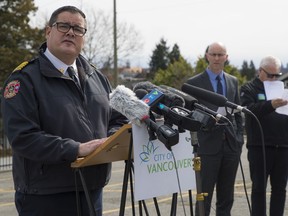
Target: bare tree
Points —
{"points": [[99, 40]]}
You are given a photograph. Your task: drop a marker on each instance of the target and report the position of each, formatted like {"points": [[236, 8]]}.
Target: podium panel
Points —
{"points": [[116, 148]]}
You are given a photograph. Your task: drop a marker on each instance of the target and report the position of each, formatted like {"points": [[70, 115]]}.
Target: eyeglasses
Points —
{"points": [[269, 75], [65, 27], [217, 54]]}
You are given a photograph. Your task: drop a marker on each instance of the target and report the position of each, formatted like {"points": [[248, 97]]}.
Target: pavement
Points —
{"points": [[113, 191]]}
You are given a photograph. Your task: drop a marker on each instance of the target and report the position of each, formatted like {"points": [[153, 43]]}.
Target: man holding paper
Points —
{"points": [[254, 95]]}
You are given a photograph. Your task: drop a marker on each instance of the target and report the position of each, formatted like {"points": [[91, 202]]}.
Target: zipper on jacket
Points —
{"points": [[27, 179]]}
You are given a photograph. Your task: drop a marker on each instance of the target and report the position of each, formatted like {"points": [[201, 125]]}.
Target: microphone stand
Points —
{"points": [[197, 167]]}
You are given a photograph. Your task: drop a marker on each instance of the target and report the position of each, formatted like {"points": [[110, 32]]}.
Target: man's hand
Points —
{"points": [[278, 103], [88, 147]]}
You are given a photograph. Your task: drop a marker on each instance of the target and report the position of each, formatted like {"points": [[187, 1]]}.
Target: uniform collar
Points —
{"points": [[61, 66]]}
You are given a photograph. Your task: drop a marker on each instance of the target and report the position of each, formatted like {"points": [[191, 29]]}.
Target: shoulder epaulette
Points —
{"points": [[22, 65]]}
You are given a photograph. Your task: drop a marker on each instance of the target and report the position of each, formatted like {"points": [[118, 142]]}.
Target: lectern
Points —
{"points": [[118, 147]]}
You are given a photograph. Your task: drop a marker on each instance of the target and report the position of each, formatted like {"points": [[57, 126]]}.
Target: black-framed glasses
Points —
{"points": [[270, 75], [65, 27]]}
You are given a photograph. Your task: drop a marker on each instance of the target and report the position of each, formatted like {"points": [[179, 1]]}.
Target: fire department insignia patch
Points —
{"points": [[11, 89]]}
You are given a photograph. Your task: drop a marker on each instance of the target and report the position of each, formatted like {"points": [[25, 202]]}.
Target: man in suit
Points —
{"points": [[219, 146]]}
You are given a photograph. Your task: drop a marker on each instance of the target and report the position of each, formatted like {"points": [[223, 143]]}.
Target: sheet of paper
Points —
{"points": [[275, 89]]}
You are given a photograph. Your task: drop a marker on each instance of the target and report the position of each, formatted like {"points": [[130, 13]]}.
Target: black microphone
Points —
{"points": [[212, 97], [191, 103], [170, 99], [140, 93], [175, 115], [189, 100], [124, 100]]}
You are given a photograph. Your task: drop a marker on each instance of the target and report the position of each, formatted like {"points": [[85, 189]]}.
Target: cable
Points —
{"points": [[244, 185], [178, 180], [264, 163], [264, 155]]}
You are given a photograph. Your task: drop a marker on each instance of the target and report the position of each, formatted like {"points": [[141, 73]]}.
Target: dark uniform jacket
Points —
{"points": [[274, 125], [210, 141], [46, 117]]}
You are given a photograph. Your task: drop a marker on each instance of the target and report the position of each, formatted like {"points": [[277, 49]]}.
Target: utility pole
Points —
{"points": [[115, 47]]}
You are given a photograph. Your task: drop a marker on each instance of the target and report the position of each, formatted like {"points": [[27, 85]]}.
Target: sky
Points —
{"points": [[250, 29]]}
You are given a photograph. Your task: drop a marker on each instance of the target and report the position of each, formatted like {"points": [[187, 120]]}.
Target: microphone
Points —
{"points": [[124, 100], [211, 97], [140, 93], [172, 115], [189, 100], [169, 100], [191, 103]]}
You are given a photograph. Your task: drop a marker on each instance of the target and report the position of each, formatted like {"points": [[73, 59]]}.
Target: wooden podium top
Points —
{"points": [[116, 148]]}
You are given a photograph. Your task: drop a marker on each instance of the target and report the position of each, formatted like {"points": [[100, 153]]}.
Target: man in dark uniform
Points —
{"points": [[274, 126], [51, 119]]}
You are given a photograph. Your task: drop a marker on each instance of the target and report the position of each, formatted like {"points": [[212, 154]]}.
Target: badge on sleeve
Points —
{"points": [[12, 89], [261, 97]]}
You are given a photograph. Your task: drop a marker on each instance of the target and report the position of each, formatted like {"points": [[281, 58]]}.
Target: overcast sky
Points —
{"points": [[250, 29]]}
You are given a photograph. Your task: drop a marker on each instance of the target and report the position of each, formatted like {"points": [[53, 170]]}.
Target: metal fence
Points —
{"points": [[5, 149], [5, 153]]}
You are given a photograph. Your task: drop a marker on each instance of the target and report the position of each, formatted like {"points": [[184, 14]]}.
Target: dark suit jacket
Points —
{"points": [[211, 140]]}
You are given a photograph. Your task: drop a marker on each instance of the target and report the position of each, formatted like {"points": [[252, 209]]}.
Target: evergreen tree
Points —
{"points": [[19, 41], [201, 65], [252, 70], [244, 69], [175, 74], [160, 58], [248, 72], [177, 71], [174, 55], [230, 69]]}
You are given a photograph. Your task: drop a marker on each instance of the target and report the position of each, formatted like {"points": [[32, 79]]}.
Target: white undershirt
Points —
{"points": [[61, 66]]}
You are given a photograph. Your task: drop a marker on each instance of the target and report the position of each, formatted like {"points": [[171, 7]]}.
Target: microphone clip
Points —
{"points": [[168, 136]]}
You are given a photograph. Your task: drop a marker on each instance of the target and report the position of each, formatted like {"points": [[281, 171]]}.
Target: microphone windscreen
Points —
{"points": [[170, 99], [205, 95], [124, 100]]}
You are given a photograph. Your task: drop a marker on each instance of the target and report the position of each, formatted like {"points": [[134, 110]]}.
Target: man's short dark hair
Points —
{"points": [[71, 9]]}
